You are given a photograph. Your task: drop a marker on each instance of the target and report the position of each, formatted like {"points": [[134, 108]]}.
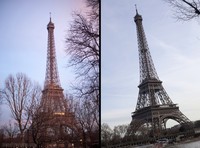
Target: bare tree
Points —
{"points": [[185, 9], [87, 122], [38, 128], [119, 133], [10, 130], [49, 127], [37, 120], [106, 134], [1, 99], [19, 94], [2, 136], [83, 48]]}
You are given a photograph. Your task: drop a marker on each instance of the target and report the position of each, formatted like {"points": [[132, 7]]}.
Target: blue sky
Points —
{"points": [[23, 39], [174, 47]]}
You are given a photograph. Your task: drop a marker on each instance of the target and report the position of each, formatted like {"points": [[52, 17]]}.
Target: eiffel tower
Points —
{"points": [[154, 107], [60, 124]]}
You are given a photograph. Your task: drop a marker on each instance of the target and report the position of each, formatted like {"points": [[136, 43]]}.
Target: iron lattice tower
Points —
{"points": [[61, 124], [52, 95], [154, 107], [51, 64]]}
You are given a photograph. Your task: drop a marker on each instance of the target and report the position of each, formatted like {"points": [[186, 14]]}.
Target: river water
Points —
{"points": [[195, 144], [187, 144]]}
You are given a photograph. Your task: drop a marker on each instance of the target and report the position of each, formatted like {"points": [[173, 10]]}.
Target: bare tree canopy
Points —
{"points": [[1, 100], [185, 9], [112, 136], [106, 134], [83, 48], [11, 130], [20, 94]]}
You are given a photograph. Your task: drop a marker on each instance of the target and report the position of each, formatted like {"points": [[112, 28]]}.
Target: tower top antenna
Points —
{"points": [[50, 16], [136, 9]]}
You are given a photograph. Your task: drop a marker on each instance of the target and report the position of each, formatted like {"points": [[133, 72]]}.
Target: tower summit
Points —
{"points": [[154, 107]]}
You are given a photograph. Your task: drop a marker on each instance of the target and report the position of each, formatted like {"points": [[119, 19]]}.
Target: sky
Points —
{"points": [[174, 46], [23, 40]]}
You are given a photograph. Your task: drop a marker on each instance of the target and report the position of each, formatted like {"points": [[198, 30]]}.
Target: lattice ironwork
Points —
{"points": [[52, 95], [52, 76], [60, 124], [147, 69], [154, 107], [151, 91]]}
